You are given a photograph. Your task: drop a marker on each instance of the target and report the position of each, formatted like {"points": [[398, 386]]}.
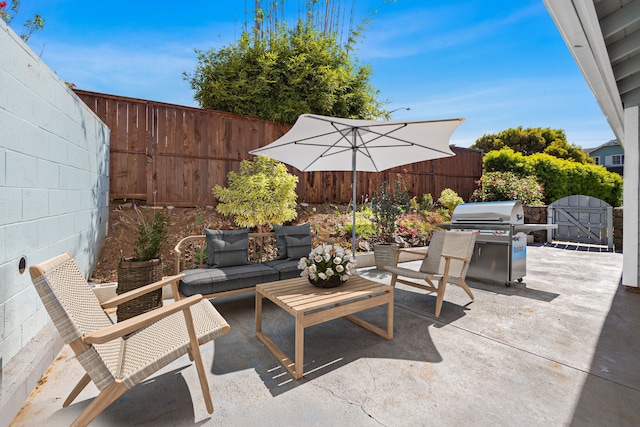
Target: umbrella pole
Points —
{"points": [[353, 185]]}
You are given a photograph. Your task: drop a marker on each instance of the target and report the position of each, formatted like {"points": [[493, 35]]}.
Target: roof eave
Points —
{"points": [[578, 24]]}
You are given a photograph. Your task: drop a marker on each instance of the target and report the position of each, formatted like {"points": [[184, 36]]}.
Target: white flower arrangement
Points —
{"points": [[326, 261]]}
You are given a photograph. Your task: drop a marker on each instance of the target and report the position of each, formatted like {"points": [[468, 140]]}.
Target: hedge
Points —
{"points": [[559, 178]]}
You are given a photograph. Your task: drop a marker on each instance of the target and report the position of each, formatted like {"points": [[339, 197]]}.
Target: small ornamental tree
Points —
{"points": [[387, 206], [261, 194]]}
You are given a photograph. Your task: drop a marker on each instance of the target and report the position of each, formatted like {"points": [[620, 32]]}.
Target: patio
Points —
{"points": [[559, 349]]}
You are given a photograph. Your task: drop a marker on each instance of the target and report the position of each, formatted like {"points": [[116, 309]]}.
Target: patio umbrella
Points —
{"points": [[321, 143]]}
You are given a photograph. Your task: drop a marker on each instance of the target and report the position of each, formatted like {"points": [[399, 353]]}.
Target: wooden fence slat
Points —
{"points": [[175, 155]]}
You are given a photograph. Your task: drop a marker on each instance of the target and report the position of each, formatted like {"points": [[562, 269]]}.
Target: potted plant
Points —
{"points": [[144, 267], [387, 207]]}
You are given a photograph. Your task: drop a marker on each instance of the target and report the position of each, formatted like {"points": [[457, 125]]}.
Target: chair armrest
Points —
{"points": [[133, 324], [408, 250], [461, 258], [399, 251], [177, 250], [127, 296]]}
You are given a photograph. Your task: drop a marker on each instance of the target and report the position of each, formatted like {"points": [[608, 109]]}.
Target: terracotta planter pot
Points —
{"points": [[384, 254], [133, 275]]}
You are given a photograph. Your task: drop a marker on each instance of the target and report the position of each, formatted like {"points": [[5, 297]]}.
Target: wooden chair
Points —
{"points": [[118, 356], [447, 261]]}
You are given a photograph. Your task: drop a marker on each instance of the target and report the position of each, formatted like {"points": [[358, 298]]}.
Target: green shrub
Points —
{"points": [[426, 203], [415, 226], [450, 199], [497, 186], [506, 160], [560, 178], [365, 228]]}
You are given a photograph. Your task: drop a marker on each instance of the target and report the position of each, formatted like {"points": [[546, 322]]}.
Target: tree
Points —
{"points": [[282, 73], [261, 194], [531, 141], [31, 25]]}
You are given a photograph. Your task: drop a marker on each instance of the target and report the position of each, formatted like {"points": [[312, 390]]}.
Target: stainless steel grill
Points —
{"points": [[500, 253]]}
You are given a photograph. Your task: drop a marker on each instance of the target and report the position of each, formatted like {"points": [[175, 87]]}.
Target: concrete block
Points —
{"points": [[66, 225], [3, 244], [105, 291], [35, 323], [35, 203], [20, 239], [21, 170], [23, 103], [47, 231], [11, 205], [83, 221], [56, 149], [78, 157], [10, 285], [1, 322], [58, 202], [3, 157], [48, 174], [11, 345], [19, 308]]}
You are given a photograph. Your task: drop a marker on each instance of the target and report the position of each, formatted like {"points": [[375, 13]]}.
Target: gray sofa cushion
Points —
{"points": [[289, 230], [213, 280], [298, 247], [227, 248], [286, 268]]}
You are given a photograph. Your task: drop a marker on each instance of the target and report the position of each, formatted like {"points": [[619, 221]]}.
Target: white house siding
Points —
{"points": [[631, 197], [54, 184]]}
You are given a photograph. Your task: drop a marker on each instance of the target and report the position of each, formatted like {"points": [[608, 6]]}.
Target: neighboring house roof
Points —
{"points": [[611, 143]]}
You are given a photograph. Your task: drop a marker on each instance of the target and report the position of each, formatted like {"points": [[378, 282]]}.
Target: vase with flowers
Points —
{"points": [[327, 266]]}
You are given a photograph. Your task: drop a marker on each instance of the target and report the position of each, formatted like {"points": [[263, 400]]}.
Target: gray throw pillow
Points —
{"points": [[289, 230], [298, 247], [227, 248]]}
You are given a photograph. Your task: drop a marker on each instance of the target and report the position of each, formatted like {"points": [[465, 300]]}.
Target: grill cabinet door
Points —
{"points": [[490, 261]]}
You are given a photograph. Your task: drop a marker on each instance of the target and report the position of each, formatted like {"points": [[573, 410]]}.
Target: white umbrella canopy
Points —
{"points": [[321, 143]]}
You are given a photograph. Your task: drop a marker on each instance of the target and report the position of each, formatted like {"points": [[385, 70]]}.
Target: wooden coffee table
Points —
{"points": [[311, 306]]}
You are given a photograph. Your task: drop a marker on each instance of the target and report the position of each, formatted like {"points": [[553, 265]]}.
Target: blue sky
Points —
{"points": [[497, 63]]}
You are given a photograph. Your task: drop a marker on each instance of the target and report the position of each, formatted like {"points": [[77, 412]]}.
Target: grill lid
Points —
{"points": [[505, 212]]}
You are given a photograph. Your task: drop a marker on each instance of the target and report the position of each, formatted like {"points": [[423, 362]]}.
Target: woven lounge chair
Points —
{"points": [[116, 357], [447, 261]]}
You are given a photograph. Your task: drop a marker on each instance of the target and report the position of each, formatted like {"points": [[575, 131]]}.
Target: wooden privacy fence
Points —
{"points": [[174, 155]]}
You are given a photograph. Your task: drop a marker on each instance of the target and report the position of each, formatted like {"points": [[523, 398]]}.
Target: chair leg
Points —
{"points": [[394, 278], [440, 296], [197, 356], [77, 389], [464, 286], [107, 396]]}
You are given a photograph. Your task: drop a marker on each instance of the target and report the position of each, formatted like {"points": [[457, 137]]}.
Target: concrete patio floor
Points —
{"points": [[561, 348]]}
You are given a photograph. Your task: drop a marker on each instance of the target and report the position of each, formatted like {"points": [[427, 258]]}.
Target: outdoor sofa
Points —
{"points": [[225, 262]]}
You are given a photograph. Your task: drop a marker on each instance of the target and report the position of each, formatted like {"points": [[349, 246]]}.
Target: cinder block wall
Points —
{"points": [[54, 185]]}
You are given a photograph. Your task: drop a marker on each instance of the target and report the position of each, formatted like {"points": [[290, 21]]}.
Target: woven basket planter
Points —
{"points": [[133, 275], [331, 282], [384, 255]]}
